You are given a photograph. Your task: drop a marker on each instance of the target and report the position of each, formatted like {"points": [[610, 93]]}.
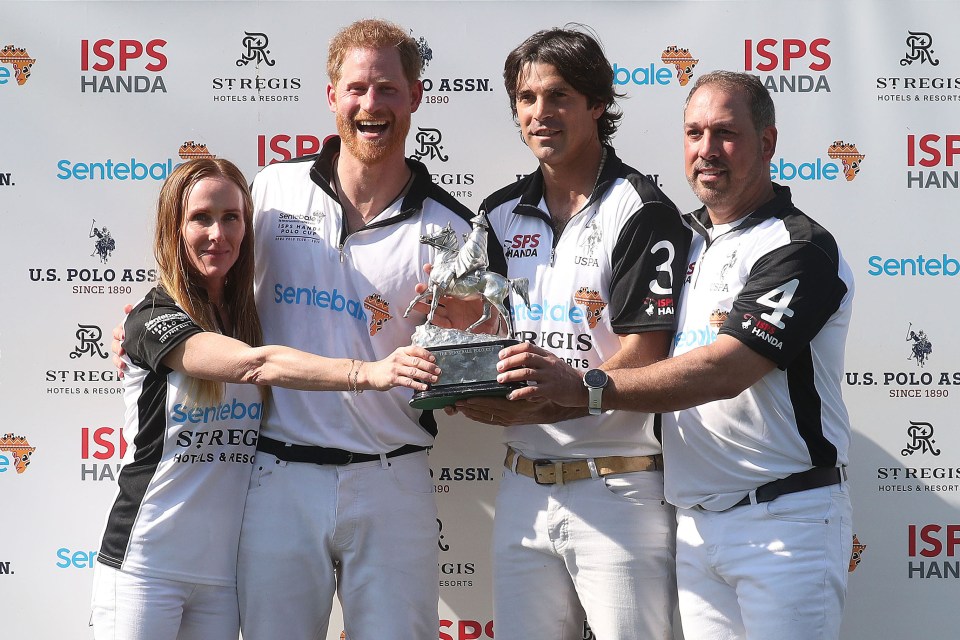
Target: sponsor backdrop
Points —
{"points": [[100, 101]]}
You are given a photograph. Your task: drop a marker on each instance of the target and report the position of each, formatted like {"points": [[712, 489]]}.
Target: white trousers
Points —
{"points": [[771, 571], [367, 532], [600, 547], [131, 607]]}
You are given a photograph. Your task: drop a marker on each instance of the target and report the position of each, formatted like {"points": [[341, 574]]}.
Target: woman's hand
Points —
{"points": [[412, 367]]}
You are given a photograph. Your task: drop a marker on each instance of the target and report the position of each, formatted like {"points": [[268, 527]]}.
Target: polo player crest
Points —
{"points": [[379, 312], [849, 156], [682, 61], [590, 300], [921, 348], [104, 245], [592, 239]]}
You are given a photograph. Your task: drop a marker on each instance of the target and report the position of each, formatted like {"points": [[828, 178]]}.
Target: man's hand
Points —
{"points": [[507, 413], [117, 345], [553, 379]]}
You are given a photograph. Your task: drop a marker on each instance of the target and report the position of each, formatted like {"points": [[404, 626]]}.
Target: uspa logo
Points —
{"points": [[846, 154], [930, 161], [98, 280], [15, 453], [255, 77], [447, 89], [923, 80], [896, 381], [111, 66], [17, 59]]}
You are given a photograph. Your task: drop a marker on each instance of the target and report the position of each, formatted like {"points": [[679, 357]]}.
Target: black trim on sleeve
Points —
{"points": [[817, 296], [807, 409], [635, 265]]}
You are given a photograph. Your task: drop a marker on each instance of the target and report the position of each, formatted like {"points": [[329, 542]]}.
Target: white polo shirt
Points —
{"points": [[778, 283], [615, 269]]}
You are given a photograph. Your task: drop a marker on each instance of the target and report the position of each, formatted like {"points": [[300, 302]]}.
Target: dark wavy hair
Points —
{"points": [[580, 60]]}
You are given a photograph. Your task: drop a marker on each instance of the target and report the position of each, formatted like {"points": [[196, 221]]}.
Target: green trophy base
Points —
{"points": [[467, 371]]}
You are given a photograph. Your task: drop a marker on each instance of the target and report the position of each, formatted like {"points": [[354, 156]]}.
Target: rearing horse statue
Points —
{"points": [[461, 272]]}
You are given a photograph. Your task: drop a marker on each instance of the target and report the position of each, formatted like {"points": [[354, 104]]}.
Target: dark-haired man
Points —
{"points": [[756, 435], [581, 524]]}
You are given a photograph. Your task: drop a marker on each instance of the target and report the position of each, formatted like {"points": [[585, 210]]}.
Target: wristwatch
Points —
{"points": [[595, 380]]}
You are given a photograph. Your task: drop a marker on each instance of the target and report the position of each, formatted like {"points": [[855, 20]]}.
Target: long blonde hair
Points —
{"points": [[181, 280]]}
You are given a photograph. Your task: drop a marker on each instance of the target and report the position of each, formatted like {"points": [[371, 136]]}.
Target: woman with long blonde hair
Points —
{"points": [[167, 563]]}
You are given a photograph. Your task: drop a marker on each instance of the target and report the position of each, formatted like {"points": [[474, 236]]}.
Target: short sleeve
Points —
{"points": [[154, 327], [789, 296]]}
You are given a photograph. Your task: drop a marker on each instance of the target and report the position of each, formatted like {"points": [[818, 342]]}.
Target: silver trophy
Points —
{"points": [[468, 360]]}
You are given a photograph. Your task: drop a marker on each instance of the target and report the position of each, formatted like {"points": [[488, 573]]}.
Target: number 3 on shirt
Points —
{"points": [[663, 267]]}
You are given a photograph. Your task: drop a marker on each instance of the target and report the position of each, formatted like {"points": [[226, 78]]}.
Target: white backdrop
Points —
{"points": [[116, 89]]}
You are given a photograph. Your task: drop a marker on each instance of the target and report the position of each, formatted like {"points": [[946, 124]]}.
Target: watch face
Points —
{"points": [[596, 378]]}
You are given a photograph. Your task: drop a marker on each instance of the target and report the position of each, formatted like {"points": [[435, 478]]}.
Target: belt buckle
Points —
{"points": [[544, 462]]}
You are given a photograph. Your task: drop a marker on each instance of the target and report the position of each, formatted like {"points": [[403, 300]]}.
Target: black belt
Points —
{"points": [[325, 455], [809, 479]]}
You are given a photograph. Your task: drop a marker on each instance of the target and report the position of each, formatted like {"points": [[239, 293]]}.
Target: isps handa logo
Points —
{"points": [[19, 61], [843, 159], [15, 453], [792, 65], [122, 66], [677, 67], [101, 452], [932, 549], [931, 158], [134, 169]]}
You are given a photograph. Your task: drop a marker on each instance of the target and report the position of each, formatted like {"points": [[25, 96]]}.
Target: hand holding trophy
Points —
{"points": [[468, 360]]}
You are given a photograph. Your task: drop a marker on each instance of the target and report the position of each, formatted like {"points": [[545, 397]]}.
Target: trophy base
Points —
{"points": [[467, 371], [442, 396]]}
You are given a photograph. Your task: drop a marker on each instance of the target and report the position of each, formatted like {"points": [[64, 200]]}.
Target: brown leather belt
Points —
{"points": [[545, 471]]}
